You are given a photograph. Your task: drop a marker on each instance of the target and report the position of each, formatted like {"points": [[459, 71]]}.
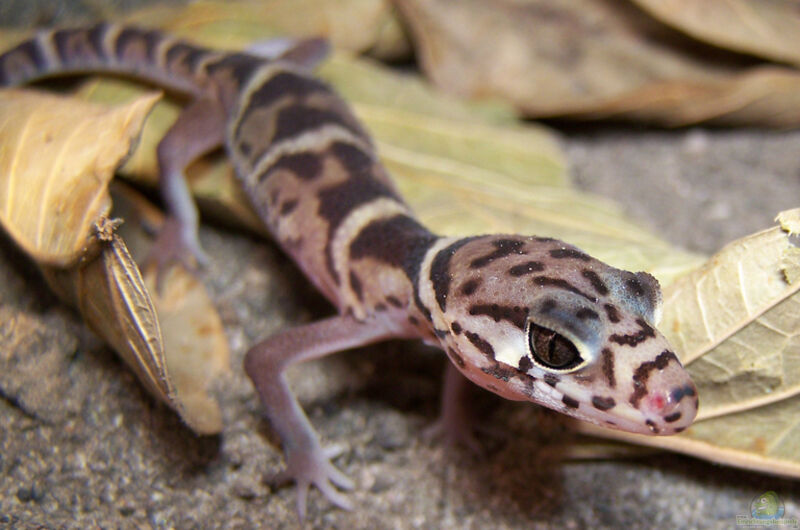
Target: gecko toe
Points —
{"points": [[334, 495], [333, 451], [302, 495], [339, 479]]}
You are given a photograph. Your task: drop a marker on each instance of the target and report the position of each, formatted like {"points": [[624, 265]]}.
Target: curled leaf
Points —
{"points": [[113, 300], [56, 160], [196, 351], [58, 157]]}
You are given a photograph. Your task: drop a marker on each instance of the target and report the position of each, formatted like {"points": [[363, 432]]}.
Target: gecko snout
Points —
{"points": [[671, 409]]}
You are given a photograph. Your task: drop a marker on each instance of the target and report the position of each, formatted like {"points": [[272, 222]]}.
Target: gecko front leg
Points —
{"points": [[455, 422], [198, 130], [306, 461]]}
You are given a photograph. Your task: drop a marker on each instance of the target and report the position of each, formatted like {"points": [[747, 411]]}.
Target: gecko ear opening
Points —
{"points": [[652, 295], [639, 293]]}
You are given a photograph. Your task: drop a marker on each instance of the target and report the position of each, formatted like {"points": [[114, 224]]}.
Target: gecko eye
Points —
{"points": [[550, 350]]}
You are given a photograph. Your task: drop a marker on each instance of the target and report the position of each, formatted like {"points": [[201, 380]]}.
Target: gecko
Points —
{"points": [[529, 318]]}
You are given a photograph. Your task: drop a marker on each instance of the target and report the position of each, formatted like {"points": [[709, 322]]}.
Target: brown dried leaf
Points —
{"points": [[764, 28], [113, 300], [593, 59], [55, 164]]}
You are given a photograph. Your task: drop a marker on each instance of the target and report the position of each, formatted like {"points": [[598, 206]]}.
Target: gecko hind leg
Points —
{"points": [[307, 462], [198, 130]]}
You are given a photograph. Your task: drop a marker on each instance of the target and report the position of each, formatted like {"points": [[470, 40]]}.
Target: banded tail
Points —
{"points": [[111, 48]]}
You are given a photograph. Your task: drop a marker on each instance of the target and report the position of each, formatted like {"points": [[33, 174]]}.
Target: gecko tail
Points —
{"points": [[109, 48]]}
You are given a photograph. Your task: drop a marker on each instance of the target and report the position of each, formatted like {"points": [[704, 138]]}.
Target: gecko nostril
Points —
{"points": [[680, 392], [672, 409]]}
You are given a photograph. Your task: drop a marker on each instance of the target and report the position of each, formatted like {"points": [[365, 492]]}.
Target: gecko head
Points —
{"points": [[548, 323]]}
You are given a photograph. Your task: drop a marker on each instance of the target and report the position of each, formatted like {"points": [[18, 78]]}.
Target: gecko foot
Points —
{"points": [[175, 244], [307, 467], [453, 434]]}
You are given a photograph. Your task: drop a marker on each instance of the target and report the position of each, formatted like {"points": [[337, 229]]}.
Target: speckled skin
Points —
{"points": [[528, 318]]}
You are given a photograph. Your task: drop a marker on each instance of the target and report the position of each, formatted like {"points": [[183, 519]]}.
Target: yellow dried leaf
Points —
{"points": [[56, 160], [173, 340], [735, 322], [767, 29], [195, 347]]}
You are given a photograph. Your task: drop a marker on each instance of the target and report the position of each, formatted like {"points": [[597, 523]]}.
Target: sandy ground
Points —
{"points": [[82, 445]]}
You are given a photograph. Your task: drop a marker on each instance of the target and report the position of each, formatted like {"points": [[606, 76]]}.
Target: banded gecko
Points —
{"points": [[529, 318]]}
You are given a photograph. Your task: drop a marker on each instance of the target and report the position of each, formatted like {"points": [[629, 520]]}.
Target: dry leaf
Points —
{"points": [[195, 347], [112, 298], [355, 25], [58, 157], [55, 163], [173, 340], [593, 59], [764, 28], [736, 323]]}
